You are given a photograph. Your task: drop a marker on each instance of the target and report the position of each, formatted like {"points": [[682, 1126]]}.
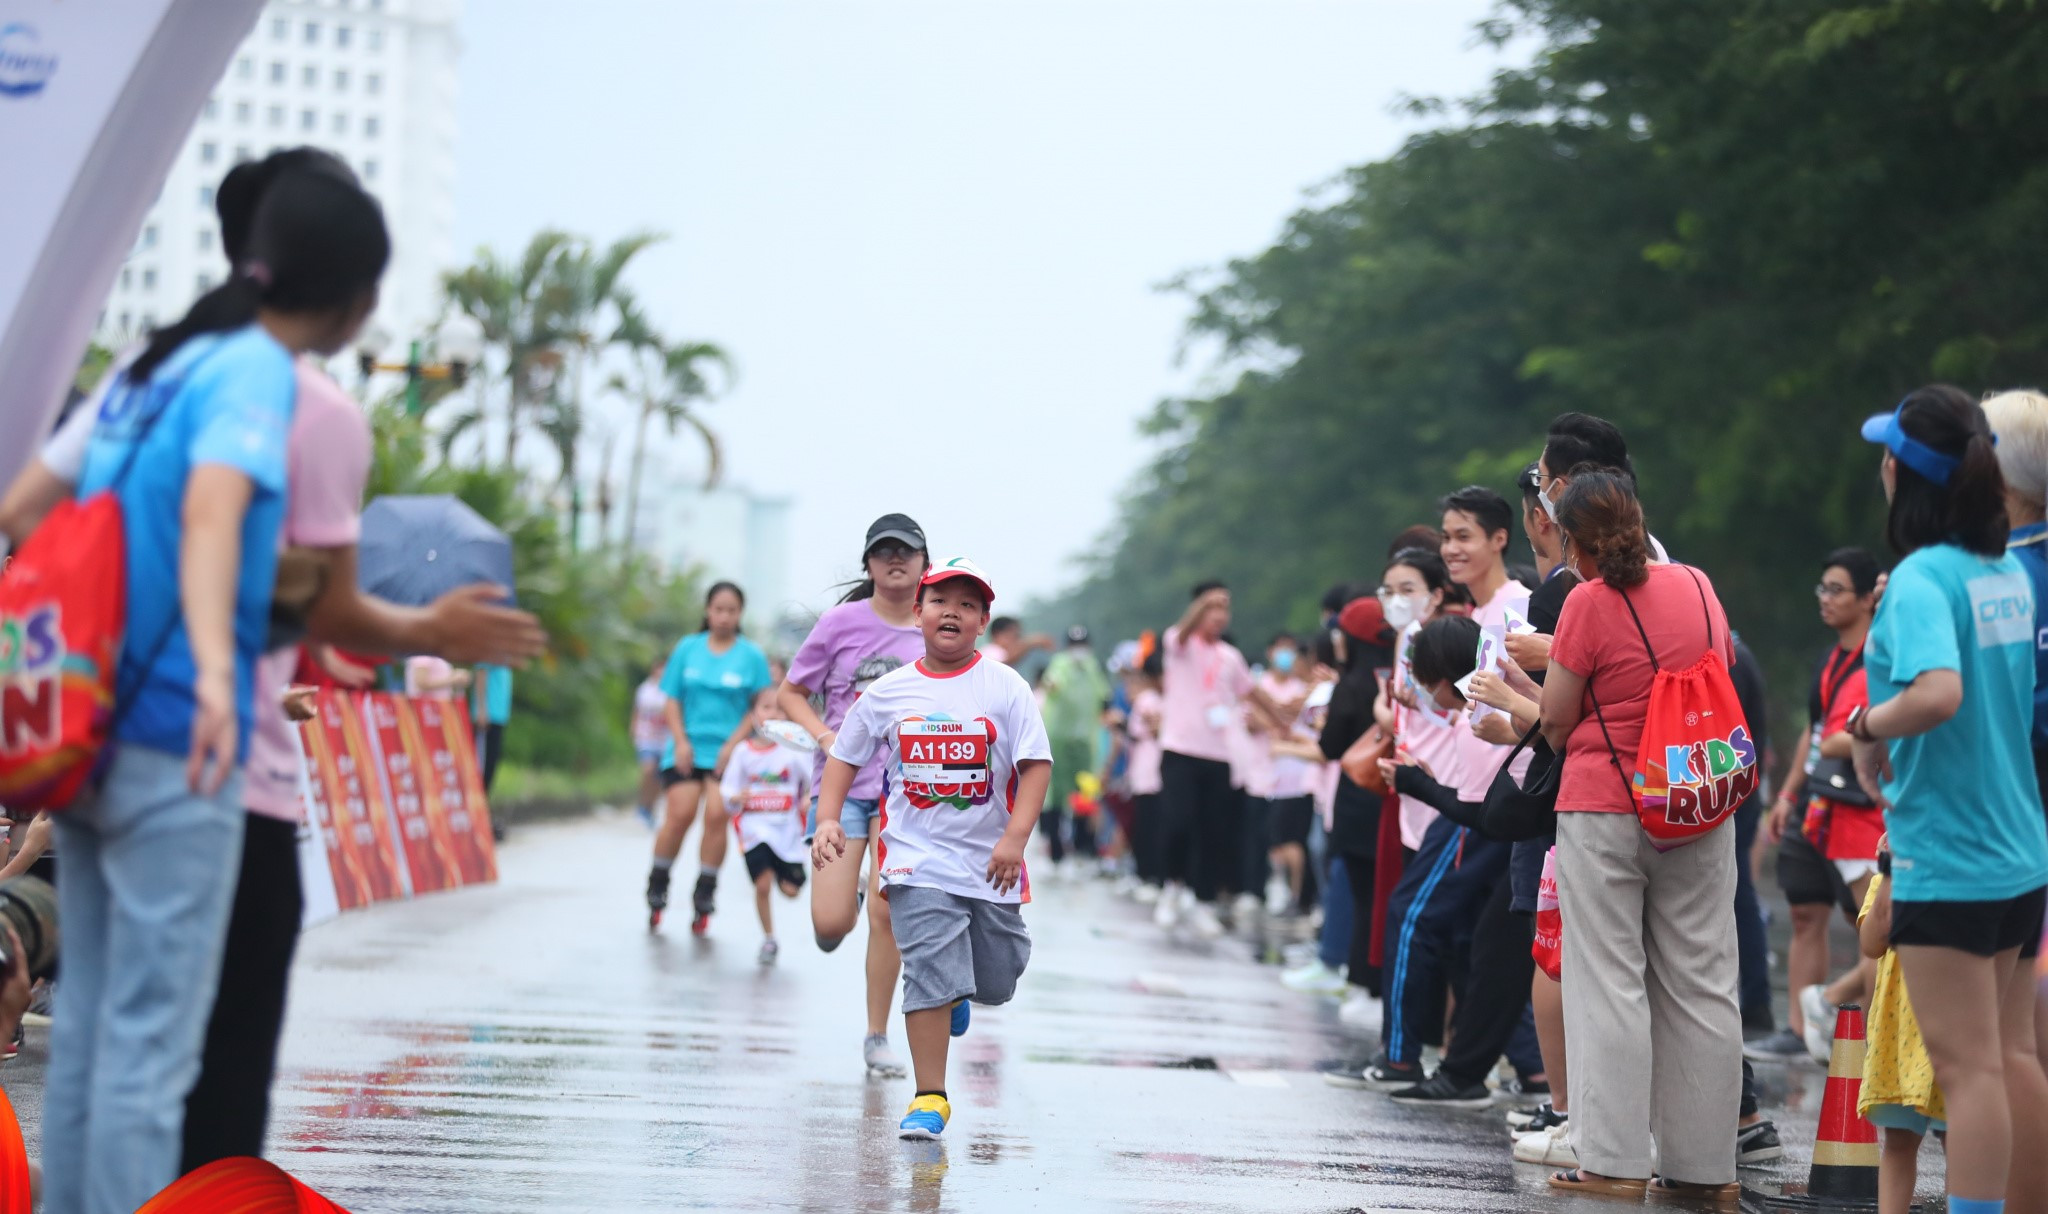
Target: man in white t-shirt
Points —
{"points": [[968, 766]]}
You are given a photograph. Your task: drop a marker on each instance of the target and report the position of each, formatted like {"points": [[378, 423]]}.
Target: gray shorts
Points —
{"points": [[956, 948]]}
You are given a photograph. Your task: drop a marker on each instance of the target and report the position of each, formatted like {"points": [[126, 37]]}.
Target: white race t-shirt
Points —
{"points": [[768, 790], [650, 714], [952, 745]]}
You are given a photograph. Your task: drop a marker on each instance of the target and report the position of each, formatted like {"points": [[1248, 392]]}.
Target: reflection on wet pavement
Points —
{"points": [[530, 1046]]}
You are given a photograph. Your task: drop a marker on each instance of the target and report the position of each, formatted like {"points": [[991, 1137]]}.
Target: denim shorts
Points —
{"points": [[857, 818]]}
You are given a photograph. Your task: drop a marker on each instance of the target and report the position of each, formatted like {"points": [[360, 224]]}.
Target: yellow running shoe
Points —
{"points": [[927, 1118]]}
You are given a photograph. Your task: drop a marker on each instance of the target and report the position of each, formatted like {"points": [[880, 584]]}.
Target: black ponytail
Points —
{"points": [[1969, 511], [316, 243], [227, 307]]}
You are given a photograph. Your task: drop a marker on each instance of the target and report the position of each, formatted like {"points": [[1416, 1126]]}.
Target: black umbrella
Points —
{"points": [[416, 549]]}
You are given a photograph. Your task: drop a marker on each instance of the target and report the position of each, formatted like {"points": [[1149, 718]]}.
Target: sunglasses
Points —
{"points": [[892, 550]]}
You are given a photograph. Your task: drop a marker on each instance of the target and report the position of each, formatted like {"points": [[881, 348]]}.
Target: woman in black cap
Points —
{"points": [[871, 632]]}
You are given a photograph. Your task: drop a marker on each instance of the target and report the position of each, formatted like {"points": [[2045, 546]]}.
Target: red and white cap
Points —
{"points": [[959, 566]]}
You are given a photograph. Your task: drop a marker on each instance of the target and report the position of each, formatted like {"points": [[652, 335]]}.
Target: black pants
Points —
{"points": [[1085, 843], [1495, 991], [1253, 863], [1359, 869], [1202, 814], [1147, 845], [494, 749], [1441, 893], [229, 1105]]}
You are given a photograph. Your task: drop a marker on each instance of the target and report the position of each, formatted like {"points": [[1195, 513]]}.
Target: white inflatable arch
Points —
{"points": [[96, 98]]}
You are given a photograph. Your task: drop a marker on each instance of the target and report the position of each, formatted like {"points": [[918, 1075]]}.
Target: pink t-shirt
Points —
{"points": [[1482, 760], [1257, 757], [1204, 681], [329, 453], [1143, 771], [1430, 734], [1597, 640]]}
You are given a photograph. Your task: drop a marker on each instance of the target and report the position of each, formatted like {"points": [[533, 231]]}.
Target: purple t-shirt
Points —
{"points": [[848, 649]]}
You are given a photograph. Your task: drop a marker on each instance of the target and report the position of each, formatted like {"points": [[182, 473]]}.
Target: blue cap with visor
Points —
{"points": [[1884, 429]]}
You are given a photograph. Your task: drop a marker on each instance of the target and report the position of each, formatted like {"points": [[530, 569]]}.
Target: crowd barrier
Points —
{"points": [[394, 802]]}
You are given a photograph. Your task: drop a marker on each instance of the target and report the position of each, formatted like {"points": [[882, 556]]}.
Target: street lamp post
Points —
{"points": [[459, 341]]}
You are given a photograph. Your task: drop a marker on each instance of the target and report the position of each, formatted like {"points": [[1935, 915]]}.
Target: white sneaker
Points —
{"points": [[1145, 894], [1820, 1023], [1315, 978], [769, 951], [1167, 914], [1551, 1148], [1126, 886], [882, 1061], [1204, 921], [1244, 911], [1279, 897], [1360, 1011]]}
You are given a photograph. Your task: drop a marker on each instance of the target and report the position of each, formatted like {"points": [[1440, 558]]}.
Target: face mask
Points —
{"points": [[1283, 661], [1402, 610], [1549, 506]]}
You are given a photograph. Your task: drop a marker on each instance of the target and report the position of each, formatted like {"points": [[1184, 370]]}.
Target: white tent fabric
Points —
{"points": [[95, 101]]}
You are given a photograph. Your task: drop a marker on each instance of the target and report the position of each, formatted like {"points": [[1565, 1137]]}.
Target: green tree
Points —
{"points": [[1734, 228], [527, 310], [669, 383]]}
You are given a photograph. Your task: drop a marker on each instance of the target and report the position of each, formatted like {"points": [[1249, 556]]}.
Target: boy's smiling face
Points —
{"points": [[952, 615]]}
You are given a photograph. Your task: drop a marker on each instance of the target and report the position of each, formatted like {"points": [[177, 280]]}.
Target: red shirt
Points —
{"points": [[1597, 640]]}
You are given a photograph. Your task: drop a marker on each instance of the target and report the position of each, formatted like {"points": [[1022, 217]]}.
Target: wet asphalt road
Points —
{"points": [[531, 1047]]}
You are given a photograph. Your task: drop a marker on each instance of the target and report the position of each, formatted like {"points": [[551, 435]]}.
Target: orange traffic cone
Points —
{"points": [[1844, 1175]]}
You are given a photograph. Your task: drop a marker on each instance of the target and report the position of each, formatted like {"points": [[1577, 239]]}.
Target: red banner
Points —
{"points": [[458, 785], [423, 825], [348, 804]]}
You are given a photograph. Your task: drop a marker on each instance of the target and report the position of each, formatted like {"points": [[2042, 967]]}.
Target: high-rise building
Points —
{"points": [[372, 81]]}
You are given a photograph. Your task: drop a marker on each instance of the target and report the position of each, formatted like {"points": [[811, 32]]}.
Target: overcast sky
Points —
{"points": [[932, 233]]}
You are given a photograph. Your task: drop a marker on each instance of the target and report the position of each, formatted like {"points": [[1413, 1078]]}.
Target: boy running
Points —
{"points": [[969, 764], [767, 788]]}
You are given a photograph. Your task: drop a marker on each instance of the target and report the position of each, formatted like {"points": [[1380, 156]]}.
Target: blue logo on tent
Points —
{"points": [[24, 67]]}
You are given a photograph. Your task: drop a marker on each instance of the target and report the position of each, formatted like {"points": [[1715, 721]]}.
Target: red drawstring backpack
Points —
{"points": [[1697, 761], [63, 617]]}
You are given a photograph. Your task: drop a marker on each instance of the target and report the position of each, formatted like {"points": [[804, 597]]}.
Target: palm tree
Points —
{"points": [[526, 310], [665, 382], [588, 284]]}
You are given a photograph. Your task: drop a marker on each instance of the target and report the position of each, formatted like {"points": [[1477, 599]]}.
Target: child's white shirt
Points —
{"points": [[953, 742], [767, 789]]}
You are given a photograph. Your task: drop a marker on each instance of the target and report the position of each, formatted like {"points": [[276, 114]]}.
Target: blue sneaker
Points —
{"points": [[961, 1015], [927, 1118]]}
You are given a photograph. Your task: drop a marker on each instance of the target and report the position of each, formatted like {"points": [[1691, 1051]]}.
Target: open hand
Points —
{"points": [[1006, 865], [472, 624], [828, 844]]}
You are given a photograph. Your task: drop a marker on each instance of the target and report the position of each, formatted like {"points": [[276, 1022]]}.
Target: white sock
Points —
{"points": [[706, 873], [661, 865]]}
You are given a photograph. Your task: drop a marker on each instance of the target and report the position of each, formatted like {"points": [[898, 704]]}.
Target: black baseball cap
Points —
{"points": [[895, 527]]}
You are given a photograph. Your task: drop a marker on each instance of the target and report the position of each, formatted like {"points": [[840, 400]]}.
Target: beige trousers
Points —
{"points": [[1651, 1021]]}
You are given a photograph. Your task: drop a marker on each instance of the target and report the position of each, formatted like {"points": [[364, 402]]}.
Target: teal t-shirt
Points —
{"points": [[1965, 817], [716, 691]]}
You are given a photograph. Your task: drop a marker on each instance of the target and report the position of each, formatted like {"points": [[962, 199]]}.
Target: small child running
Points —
{"points": [[1899, 1093], [969, 764], [767, 788]]}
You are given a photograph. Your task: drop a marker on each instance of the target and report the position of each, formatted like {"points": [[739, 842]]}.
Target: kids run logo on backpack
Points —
{"points": [[31, 669], [1703, 781]]}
